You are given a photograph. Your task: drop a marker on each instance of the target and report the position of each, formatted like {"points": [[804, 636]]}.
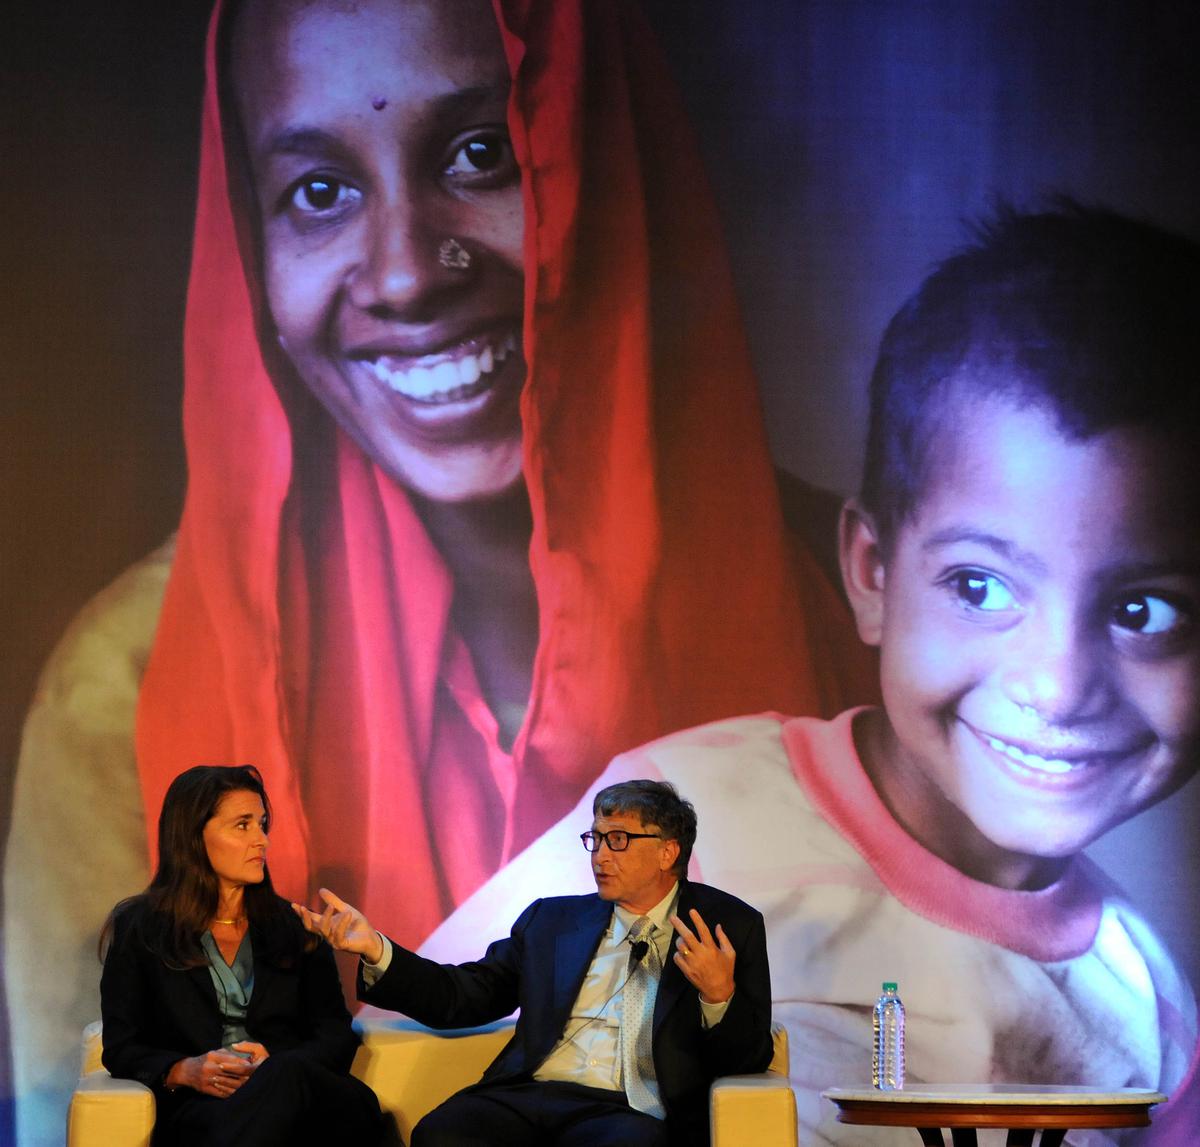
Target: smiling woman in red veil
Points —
{"points": [[479, 494]]}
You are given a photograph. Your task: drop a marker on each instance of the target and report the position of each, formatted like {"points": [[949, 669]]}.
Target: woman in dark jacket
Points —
{"points": [[215, 997]]}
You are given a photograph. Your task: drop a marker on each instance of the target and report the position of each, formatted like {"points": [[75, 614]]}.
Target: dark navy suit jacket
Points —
{"points": [[539, 968]]}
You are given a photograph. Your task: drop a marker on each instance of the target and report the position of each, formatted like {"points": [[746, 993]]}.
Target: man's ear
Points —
{"points": [[669, 855], [861, 558]]}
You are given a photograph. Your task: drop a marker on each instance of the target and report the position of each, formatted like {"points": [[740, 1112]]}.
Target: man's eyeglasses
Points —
{"points": [[617, 839]]}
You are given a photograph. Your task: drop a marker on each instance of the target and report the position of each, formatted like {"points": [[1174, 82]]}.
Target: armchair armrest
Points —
{"points": [[110, 1111], [106, 1111], [753, 1110]]}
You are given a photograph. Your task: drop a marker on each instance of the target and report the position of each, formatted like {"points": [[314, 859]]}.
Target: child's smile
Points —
{"points": [[1056, 760], [1039, 620]]}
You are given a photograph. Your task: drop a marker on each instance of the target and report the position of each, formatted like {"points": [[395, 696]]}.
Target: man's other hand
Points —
{"points": [[707, 961]]}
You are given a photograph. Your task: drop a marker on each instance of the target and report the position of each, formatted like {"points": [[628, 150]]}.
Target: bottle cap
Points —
{"points": [[888, 986]]}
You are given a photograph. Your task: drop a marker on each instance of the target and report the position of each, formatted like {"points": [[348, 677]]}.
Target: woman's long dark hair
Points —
{"points": [[183, 895]]}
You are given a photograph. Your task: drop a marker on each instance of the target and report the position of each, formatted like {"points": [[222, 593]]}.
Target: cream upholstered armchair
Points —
{"points": [[412, 1069]]}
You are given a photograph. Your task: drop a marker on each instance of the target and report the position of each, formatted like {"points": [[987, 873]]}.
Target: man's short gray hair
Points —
{"points": [[654, 803]]}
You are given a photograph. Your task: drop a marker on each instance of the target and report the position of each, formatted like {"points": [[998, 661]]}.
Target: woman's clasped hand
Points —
{"points": [[220, 1072]]}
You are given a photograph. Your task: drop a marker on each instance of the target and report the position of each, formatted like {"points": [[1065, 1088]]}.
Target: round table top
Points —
{"points": [[1013, 1094], [1010, 1105]]}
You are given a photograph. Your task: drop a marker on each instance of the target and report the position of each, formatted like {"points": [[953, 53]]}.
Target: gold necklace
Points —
{"points": [[235, 920]]}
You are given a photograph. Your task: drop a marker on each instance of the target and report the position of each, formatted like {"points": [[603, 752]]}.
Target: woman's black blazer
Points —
{"points": [[154, 1015]]}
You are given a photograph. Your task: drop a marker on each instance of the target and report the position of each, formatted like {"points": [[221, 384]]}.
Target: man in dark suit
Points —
{"points": [[630, 1003]]}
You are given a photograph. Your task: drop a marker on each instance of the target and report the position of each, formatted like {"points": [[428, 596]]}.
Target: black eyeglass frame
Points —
{"points": [[595, 838]]}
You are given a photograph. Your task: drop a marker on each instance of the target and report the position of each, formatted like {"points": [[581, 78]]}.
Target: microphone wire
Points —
{"points": [[637, 953]]}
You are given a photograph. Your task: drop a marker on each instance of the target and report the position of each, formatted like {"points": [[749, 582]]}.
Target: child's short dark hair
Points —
{"points": [[1089, 313]]}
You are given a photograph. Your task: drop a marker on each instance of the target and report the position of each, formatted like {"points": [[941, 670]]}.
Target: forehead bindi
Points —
{"points": [[297, 62]]}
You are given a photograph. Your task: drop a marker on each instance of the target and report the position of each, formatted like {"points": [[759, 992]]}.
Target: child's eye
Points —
{"points": [[1148, 614], [981, 590], [485, 158], [321, 195]]}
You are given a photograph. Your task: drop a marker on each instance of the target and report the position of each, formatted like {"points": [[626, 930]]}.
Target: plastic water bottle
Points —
{"points": [[887, 1069]]}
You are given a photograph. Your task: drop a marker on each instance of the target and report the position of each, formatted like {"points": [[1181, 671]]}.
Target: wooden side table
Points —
{"points": [[1022, 1109]]}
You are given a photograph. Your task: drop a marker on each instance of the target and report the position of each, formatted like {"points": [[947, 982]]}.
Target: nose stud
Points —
{"points": [[453, 255]]}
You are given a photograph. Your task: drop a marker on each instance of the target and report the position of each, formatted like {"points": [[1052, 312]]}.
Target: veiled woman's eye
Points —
{"points": [[485, 157], [483, 154], [320, 195]]}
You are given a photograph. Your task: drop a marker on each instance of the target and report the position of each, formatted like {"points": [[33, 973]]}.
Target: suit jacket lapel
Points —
{"points": [[203, 1007], [201, 979], [573, 952], [673, 983], [263, 974]]}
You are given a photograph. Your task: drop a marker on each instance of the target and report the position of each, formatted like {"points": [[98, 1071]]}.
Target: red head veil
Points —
{"points": [[667, 591]]}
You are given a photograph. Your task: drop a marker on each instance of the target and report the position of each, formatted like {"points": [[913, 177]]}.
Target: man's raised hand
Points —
{"points": [[706, 960], [343, 926]]}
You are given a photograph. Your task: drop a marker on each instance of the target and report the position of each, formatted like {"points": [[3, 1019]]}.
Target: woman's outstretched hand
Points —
{"points": [[218, 1073], [343, 926]]}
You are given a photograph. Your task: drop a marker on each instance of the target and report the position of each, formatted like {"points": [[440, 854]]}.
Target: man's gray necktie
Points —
{"points": [[637, 1023]]}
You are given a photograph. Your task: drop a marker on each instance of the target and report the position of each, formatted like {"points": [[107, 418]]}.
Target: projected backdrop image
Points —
{"points": [[479, 492]]}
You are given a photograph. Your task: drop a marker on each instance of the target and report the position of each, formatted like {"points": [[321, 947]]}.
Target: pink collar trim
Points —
{"points": [[1055, 923]]}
